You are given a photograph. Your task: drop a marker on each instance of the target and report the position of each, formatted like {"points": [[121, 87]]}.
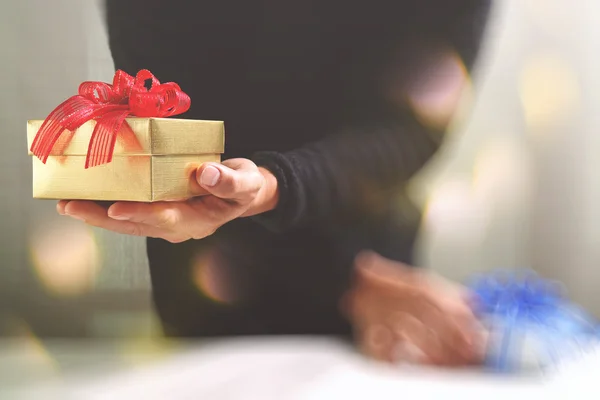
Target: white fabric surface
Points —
{"points": [[292, 368]]}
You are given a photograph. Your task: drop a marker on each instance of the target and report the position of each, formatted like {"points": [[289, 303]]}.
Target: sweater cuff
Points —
{"points": [[283, 216]]}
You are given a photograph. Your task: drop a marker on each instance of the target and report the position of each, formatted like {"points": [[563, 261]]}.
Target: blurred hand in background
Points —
{"points": [[404, 314]]}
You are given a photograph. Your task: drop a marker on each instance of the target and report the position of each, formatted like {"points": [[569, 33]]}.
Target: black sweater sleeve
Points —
{"points": [[379, 149]]}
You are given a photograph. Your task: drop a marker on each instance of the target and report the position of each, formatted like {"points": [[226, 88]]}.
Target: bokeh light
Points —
{"points": [[502, 173], [211, 279], [139, 351], [33, 357], [65, 257], [435, 97], [549, 91], [454, 212]]}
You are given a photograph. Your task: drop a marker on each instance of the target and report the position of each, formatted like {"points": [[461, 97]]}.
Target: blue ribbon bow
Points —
{"points": [[522, 301]]}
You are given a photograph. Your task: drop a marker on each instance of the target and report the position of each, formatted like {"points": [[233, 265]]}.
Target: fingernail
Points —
{"points": [[120, 217], [210, 176]]}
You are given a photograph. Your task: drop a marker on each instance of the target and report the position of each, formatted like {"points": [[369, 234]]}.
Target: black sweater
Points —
{"points": [[309, 89]]}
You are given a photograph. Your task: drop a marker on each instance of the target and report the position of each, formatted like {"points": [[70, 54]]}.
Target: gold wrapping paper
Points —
{"points": [[158, 169]]}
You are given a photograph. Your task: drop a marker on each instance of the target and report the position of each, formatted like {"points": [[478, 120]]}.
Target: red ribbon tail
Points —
{"points": [[70, 114], [102, 143]]}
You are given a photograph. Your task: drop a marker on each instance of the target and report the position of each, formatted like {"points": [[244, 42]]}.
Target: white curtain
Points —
{"points": [[524, 187]]}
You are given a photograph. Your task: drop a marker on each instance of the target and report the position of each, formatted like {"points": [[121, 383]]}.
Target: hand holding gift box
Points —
{"points": [[112, 142]]}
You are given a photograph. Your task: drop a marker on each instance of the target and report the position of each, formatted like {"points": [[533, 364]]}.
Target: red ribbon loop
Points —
{"points": [[109, 105]]}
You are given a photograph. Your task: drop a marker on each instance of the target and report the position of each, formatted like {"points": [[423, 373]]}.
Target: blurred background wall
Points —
{"points": [[518, 184], [515, 186], [59, 277]]}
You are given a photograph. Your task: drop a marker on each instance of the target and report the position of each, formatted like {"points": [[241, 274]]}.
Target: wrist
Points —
{"points": [[267, 197]]}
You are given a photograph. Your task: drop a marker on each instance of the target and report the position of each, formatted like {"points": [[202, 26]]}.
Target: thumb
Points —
{"points": [[233, 180], [385, 274]]}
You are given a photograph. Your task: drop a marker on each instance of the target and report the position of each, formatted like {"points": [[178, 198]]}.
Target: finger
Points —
{"points": [[369, 259], [451, 331], [161, 215], [195, 188], [96, 215], [165, 216], [235, 180], [475, 335], [195, 218], [409, 331], [376, 341], [81, 209], [60, 207], [384, 274], [362, 307], [464, 329], [405, 351]]}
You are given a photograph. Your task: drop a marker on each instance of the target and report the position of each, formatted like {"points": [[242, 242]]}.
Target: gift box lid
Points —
{"points": [[156, 136]]}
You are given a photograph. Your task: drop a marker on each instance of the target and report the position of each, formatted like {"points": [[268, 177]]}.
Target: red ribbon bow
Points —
{"points": [[109, 105]]}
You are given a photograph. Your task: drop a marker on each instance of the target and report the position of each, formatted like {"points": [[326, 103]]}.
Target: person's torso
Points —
{"points": [[279, 73]]}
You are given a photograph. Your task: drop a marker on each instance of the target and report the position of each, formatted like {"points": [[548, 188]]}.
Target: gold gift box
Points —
{"points": [[157, 169]]}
